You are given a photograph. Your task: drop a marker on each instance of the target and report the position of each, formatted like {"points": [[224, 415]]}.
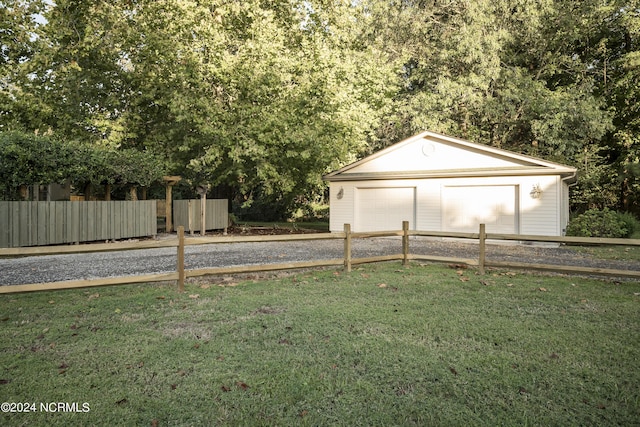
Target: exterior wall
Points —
{"points": [[540, 216], [382, 208], [536, 216], [428, 154], [564, 204], [341, 205]]}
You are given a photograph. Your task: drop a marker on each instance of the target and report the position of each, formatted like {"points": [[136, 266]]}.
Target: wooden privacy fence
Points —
{"points": [[188, 214], [50, 223], [347, 261]]}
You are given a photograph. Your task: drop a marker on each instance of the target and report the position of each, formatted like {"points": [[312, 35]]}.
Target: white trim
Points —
{"points": [[531, 166]]}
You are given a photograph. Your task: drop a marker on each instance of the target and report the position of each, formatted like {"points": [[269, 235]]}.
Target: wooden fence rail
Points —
{"points": [[347, 261]]}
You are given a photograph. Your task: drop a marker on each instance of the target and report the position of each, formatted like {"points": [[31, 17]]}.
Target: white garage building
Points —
{"points": [[440, 183]]}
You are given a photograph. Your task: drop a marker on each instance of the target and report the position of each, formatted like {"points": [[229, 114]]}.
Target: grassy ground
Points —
{"points": [[384, 345], [624, 253]]}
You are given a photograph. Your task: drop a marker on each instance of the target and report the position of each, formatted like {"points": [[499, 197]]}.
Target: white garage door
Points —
{"points": [[382, 209], [465, 207]]}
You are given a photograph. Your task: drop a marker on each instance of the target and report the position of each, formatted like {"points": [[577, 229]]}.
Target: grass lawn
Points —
{"points": [[384, 345], [621, 253]]}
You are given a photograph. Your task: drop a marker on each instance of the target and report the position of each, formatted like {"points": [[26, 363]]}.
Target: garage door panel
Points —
{"points": [[381, 209], [465, 207]]}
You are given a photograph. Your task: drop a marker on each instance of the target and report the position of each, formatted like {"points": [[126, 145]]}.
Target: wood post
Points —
{"points": [[181, 259], [347, 248], [168, 209], [202, 191], [405, 243], [190, 215], [203, 214], [482, 237], [170, 181]]}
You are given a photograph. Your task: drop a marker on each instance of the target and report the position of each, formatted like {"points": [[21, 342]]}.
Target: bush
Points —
{"points": [[631, 223], [598, 223]]}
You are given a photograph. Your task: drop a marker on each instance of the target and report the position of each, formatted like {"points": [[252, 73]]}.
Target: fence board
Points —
{"points": [[565, 269], [14, 223], [42, 220], [267, 267], [116, 218], [216, 212], [565, 239], [5, 232], [74, 232], [72, 284], [25, 224]]}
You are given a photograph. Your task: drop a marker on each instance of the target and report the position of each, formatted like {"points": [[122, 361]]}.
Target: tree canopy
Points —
{"points": [[263, 97]]}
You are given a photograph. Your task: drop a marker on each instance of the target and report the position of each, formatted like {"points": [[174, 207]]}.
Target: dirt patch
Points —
{"points": [[268, 310], [188, 330], [240, 230]]}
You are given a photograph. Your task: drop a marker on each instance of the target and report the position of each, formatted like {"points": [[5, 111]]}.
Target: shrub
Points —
{"points": [[631, 223], [598, 223]]}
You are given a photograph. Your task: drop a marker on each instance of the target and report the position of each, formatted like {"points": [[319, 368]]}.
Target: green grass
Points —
{"points": [[384, 345], [622, 253]]}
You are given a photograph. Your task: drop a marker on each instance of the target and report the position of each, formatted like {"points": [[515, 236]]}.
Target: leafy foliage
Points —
{"points": [[631, 223], [27, 159], [598, 223], [264, 97]]}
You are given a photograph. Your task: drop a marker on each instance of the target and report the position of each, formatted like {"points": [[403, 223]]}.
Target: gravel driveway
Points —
{"points": [[52, 268]]}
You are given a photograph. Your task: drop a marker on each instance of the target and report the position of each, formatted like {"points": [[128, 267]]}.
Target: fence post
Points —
{"points": [[189, 215], [405, 243], [347, 248], [203, 214], [181, 258], [482, 237]]}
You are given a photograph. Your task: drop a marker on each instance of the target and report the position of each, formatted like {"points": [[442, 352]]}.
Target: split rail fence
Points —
{"points": [[179, 276]]}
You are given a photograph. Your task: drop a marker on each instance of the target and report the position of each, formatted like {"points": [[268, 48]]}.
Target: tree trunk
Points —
{"points": [[87, 192], [24, 192]]}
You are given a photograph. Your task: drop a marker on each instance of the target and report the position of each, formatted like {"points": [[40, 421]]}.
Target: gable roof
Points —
{"points": [[433, 155]]}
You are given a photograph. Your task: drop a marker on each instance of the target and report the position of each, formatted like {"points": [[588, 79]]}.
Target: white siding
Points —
{"points": [[384, 208], [465, 207], [428, 209], [341, 210], [539, 216], [424, 154]]}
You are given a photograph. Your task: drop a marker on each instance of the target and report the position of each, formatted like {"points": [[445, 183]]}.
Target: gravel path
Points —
{"points": [[52, 268]]}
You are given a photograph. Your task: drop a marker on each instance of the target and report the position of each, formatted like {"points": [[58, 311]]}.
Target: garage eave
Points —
{"points": [[451, 173]]}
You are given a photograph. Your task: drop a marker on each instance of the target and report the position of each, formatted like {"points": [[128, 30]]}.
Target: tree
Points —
{"points": [[19, 43], [505, 73], [295, 106], [259, 96], [28, 159], [264, 97]]}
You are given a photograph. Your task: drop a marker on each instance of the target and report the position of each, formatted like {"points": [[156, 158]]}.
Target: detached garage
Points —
{"points": [[440, 183]]}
